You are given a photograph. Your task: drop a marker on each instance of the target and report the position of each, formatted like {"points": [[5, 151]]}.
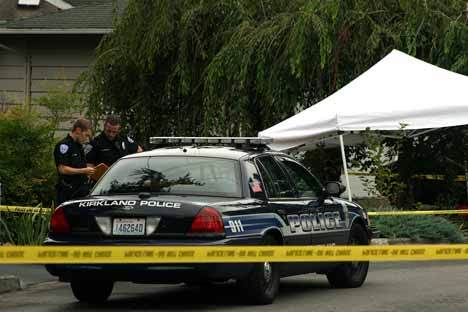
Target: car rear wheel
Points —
{"points": [[351, 274], [262, 284], [91, 291]]}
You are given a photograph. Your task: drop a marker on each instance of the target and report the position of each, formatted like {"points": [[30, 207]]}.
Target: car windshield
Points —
{"points": [[172, 175]]}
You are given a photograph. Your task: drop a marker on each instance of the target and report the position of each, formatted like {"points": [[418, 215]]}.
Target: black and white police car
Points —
{"points": [[208, 191]]}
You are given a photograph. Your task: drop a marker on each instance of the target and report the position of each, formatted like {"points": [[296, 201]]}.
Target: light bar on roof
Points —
{"points": [[29, 2], [211, 140]]}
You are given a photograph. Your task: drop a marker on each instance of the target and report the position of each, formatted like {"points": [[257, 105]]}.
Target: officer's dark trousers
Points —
{"points": [[65, 193]]}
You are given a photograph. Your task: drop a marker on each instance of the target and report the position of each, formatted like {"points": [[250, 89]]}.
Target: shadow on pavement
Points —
{"points": [[183, 298]]}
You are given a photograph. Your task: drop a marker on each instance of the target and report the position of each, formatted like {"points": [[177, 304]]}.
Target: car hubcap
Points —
{"points": [[267, 272]]}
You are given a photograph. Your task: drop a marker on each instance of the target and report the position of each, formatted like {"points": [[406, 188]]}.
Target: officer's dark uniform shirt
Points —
{"points": [[70, 153], [103, 150]]}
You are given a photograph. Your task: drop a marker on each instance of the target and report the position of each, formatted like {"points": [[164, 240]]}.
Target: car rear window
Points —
{"points": [[172, 175]]}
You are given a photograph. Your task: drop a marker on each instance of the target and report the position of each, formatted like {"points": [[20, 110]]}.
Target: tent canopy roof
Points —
{"points": [[399, 92]]}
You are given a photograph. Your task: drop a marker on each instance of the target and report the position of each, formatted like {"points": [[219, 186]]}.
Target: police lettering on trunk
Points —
{"points": [[129, 203]]}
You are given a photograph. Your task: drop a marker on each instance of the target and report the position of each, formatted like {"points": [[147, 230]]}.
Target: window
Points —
{"points": [[29, 3], [306, 184], [172, 175], [254, 181], [276, 181]]}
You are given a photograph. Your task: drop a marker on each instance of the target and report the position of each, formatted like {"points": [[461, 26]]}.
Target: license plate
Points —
{"points": [[128, 226]]}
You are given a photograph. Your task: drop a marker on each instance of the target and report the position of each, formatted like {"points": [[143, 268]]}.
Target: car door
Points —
{"points": [[326, 219], [282, 199]]}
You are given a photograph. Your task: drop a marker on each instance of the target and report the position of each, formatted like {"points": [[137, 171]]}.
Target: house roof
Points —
{"points": [[77, 3], [9, 10], [94, 18]]}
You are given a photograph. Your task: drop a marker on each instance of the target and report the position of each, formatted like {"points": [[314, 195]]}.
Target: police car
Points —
{"points": [[208, 191]]}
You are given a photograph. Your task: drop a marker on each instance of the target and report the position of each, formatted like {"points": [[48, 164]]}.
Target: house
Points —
{"points": [[52, 45]]}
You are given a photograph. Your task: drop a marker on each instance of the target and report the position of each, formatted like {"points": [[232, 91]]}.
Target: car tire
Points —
{"points": [[91, 291], [351, 274], [262, 284]]}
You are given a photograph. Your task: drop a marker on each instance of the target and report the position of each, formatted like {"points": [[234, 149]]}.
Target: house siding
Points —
{"points": [[53, 61]]}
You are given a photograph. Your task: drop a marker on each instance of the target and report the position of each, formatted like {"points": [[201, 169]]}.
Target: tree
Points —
{"points": [[235, 67], [62, 102], [226, 67], [27, 170]]}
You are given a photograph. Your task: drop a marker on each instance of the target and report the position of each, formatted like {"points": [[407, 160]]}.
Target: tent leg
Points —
{"points": [[345, 168]]}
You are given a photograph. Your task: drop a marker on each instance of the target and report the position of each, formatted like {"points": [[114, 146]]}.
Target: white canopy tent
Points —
{"points": [[399, 92]]}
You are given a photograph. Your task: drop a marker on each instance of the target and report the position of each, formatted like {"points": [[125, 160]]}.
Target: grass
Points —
{"points": [[24, 228], [418, 228]]}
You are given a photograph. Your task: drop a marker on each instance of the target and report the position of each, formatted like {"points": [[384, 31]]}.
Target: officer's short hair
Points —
{"points": [[83, 124], [113, 120]]}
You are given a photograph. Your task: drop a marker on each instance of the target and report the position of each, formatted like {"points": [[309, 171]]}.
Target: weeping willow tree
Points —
{"points": [[234, 67]]}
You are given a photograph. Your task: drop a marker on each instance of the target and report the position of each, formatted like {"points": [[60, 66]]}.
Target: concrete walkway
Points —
{"points": [[15, 277]]}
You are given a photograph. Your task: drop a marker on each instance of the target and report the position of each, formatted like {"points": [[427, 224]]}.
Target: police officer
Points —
{"points": [[109, 146], [71, 163]]}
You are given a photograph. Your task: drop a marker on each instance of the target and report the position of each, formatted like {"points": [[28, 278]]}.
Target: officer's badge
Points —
{"points": [[130, 140], [63, 148], [87, 148]]}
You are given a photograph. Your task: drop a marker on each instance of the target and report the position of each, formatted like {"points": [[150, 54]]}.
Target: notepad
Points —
{"points": [[100, 170]]}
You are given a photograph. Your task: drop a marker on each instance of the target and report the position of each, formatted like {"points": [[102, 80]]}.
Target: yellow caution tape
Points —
{"points": [[437, 177], [20, 209], [228, 254], [416, 212]]}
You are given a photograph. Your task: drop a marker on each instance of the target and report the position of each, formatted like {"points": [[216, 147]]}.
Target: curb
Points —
{"points": [[399, 241], [9, 283], [379, 241], [403, 241]]}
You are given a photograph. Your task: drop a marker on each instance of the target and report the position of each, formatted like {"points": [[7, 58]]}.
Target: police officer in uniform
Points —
{"points": [[71, 163], [109, 146]]}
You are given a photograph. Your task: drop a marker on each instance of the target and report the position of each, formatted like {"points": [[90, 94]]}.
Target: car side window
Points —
{"points": [[267, 181], [305, 183], [254, 181], [276, 181]]}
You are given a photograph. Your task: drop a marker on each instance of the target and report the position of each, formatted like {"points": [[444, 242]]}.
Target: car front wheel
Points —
{"points": [[351, 274]]}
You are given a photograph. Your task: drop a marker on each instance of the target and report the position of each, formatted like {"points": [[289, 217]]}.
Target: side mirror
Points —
{"points": [[334, 188]]}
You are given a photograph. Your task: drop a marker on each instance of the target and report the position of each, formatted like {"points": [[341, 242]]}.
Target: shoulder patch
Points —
{"points": [[63, 148]]}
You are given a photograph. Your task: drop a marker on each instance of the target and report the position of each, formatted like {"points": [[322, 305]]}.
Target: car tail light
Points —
{"points": [[208, 220], [58, 222]]}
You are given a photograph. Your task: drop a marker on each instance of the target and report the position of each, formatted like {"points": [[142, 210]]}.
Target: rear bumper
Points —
{"points": [[150, 273], [153, 272]]}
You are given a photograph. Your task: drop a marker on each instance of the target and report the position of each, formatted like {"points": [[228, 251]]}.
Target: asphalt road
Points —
{"points": [[403, 287]]}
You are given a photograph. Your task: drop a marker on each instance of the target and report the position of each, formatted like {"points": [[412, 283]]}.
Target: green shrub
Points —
{"points": [[373, 203], [431, 228], [23, 229], [27, 170]]}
